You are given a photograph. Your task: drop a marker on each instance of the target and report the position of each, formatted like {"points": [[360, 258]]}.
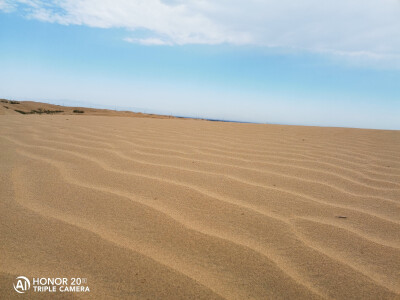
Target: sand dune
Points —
{"points": [[10, 107], [152, 208]]}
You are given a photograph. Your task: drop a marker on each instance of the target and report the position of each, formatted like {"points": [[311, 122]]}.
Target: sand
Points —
{"points": [[8, 107], [148, 208]]}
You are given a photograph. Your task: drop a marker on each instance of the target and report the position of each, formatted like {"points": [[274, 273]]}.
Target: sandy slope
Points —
{"points": [[8, 107], [184, 209]]}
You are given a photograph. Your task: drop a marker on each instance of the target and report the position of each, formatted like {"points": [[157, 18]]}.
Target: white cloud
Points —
{"points": [[147, 41], [354, 28], [6, 6]]}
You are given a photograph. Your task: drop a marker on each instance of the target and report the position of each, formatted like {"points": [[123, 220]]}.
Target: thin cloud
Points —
{"points": [[148, 41], [6, 6], [358, 28]]}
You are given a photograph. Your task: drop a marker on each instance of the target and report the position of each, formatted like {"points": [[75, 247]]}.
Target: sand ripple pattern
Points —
{"points": [[185, 209]]}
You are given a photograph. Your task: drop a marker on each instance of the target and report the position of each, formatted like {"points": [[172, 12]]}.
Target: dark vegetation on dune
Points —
{"points": [[77, 111], [9, 101], [39, 111]]}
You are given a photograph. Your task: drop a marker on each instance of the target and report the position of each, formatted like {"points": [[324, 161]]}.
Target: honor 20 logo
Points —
{"points": [[23, 284]]}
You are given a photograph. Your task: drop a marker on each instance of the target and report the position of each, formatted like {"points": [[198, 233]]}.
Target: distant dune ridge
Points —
{"points": [[153, 208], [10, 107]]}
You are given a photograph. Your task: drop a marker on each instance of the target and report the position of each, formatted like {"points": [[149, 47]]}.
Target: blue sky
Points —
{"points": [[269, 61]]}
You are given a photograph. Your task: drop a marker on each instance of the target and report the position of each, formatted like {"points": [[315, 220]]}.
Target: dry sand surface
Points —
{"points": [[184, 209], [8, 107]]}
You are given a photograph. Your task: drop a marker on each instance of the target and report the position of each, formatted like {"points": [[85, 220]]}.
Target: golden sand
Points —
{"points": [[182, 209]]}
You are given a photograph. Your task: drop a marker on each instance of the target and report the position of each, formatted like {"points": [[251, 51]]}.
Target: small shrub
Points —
{"points": [[39, 111], [4, 101], [6, 106], [14, 102], [45, 111], [77, 111]]}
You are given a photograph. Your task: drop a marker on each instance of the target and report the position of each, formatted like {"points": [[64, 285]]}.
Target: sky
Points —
{"points": [[308, 62]]}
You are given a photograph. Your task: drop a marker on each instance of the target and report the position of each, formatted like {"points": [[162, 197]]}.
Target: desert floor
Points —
{"points": [[185, 209]]}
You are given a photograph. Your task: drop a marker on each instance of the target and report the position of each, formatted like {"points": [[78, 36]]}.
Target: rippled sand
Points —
{"points": [[185, 209]]}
